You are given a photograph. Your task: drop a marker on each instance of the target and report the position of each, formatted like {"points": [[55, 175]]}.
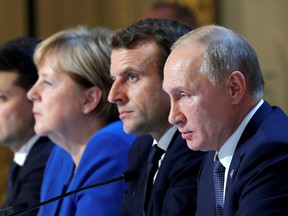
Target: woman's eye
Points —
{"points": [[47, 83]]}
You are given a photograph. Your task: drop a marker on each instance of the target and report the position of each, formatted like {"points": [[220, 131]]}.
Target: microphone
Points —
{"points": [[11, 209], [22, 208]]}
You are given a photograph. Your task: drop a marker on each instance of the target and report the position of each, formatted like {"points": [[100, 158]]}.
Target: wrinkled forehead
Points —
{"points": [[185, 57], [183, 63]]}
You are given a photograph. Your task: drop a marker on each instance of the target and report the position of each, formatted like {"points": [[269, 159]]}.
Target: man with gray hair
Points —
{"points": [[215, 86]]}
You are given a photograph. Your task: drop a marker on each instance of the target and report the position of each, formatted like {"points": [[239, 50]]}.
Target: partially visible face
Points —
{"points": [[137, 89], [16, 118], [200, 110], [161, 13], [57, 102]]}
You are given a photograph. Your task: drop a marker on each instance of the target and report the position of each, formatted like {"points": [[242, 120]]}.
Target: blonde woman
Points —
{"points": [[71, 108]]}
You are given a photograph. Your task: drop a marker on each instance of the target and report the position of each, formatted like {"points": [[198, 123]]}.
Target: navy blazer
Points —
{"points": [[174, 190], [26, 189], [257, 182]]}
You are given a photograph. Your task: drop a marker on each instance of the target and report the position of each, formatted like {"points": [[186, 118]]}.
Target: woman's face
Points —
{"points": [[57, 102]]}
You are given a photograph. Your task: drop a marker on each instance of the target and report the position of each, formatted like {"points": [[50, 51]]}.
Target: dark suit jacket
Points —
{"points": [[174, 190], [27, 187], [257, 182]]}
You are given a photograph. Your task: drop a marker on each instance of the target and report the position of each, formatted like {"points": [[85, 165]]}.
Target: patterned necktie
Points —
{"points": [[152, 167], [219, 175]]}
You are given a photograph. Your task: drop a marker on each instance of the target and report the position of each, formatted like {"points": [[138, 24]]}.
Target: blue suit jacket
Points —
{"points": [[26, 189], [174, 190], [104, 158], [257, 182]]}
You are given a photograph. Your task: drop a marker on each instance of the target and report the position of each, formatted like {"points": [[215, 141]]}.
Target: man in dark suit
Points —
{"points": [[138, 56], [215, 86], [17, 74]]}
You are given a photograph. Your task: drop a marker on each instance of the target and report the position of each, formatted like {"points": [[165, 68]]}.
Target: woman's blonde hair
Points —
{"points": [[84, 54]]}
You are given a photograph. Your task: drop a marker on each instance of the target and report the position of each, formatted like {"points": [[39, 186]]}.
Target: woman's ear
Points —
{"points": [[237, 84], [93, 96]]}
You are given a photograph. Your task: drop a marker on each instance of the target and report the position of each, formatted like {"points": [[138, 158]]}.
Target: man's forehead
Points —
{"points": [[8, 76]]}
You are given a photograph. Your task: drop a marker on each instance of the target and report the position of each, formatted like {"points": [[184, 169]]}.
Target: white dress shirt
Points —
{"points": [[21, 155]]}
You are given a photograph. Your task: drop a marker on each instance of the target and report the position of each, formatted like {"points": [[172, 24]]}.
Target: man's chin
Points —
{"points": [[129, 129], [191, 145]]}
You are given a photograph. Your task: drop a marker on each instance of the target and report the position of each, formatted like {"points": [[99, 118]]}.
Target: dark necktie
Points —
{"points": [[219, 175], [152, 166], [12, 176]]}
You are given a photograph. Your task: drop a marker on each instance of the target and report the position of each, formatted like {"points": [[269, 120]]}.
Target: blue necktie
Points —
{"points": [[152, 166], [219, 175]]}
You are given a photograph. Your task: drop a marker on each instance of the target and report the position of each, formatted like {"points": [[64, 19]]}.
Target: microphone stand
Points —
{"points": [[126, 176]]}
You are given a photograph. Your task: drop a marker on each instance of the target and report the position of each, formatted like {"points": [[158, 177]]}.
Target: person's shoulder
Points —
{"points": [[265, 136], [114, 125], [280, 116], [114, 128], [58, 151], [44, 141], [41, 149], [142, 144], [147, 138], [111, 137], [114, 131], [274, 124]]}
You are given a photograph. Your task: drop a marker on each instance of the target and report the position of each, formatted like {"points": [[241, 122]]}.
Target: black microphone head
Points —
{"points": [[130, 175]]}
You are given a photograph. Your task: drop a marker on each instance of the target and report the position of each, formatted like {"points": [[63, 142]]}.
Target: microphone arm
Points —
{"points": [[126, 176]]}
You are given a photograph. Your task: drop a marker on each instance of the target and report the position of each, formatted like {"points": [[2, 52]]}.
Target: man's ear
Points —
{"points": [[93, 96], [237, 84]]}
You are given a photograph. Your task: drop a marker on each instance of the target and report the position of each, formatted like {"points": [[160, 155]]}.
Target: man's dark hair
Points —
{"points": [[17, 55], [164, 32]]}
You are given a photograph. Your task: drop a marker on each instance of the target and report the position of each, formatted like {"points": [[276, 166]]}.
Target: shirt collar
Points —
{"points": [[227, 150], [165, 140], [21, 155]]}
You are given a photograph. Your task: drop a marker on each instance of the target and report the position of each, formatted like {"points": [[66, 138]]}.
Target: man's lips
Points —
{"points": [[186, 135], [124, 114], [35, 113]]}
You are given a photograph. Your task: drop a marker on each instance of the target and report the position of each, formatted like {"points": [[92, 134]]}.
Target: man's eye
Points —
{"points": [[132, 77], [3, 98], [183, 95]]}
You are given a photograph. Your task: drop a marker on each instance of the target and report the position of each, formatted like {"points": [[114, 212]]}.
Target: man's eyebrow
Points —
{"points": [[129, 70]]}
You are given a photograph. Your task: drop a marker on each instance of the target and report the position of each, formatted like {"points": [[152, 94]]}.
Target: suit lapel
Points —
{"points": [[241, 148], [161, 173], [174, 141], [206, 195], [137, 160]]}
